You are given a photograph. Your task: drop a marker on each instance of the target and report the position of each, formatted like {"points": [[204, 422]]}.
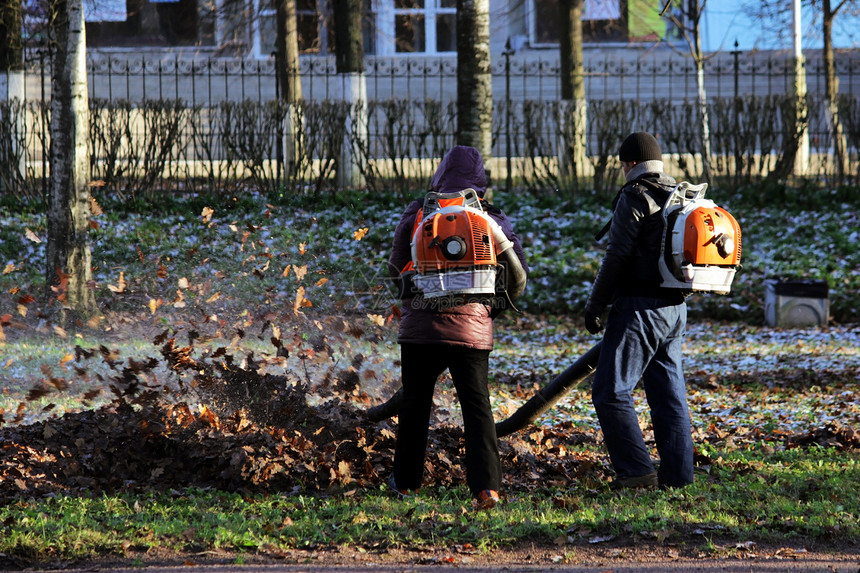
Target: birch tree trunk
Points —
{"points": [[474, 78], [349, 60], [799, 89], [290, 80], [69, 264], [573, 156]]}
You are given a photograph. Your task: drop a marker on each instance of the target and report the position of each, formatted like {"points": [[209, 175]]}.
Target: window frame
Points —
{"points": [[386, 15]]}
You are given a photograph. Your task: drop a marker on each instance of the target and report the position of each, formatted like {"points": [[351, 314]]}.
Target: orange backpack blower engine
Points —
{"points": [[455, 246], [702, 246]]}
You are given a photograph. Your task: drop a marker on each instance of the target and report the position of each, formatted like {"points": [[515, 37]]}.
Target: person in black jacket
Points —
{"points": [[456, 337], [644, 330]]}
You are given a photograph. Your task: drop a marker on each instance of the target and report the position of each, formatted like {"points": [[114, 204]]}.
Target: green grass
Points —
{"points": [[792, 496], [747, 488]]}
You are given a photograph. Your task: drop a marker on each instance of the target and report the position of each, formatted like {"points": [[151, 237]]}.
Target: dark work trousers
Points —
{"points": [[643, 341], [421, 365]]}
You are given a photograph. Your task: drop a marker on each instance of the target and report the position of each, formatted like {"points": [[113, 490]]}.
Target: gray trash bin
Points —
{"points": [[796, 302]]}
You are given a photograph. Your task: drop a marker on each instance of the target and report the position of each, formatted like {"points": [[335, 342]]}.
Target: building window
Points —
{"points": [[545, 22], [315, 25], [602, 20], [156, 23], [422, 26]]}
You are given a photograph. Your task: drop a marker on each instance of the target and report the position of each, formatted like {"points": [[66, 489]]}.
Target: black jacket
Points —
{"points": [[630, 264]]}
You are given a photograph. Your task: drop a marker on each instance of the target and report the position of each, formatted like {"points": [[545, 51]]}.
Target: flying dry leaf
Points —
{"points": [[5, 320], [161, 337], [37, 392], [286, 272], [68, 357], [377, 319], [94, 225], [300, 295], [214, 297], [92, 394], [10, 267], [183, 283], [300, 271], [95, 208], [207, 214], [161, 272], [60, 332], [360, 233], [59, 383], [302, 248], [153, 305], [120, 286], [32, 236], [321, 282]]}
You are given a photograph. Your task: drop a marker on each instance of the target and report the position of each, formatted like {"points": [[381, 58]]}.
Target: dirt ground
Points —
{"points": [[614, 558]]}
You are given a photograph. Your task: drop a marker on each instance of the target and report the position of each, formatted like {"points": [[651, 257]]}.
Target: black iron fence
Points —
{"points": [[185, 123]]}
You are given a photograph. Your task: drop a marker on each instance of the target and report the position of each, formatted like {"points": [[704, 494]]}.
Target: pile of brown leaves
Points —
{"points": [[331, 447], [250, 432], [243, 430]]}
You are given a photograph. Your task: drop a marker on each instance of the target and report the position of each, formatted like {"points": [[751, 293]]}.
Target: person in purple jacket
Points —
{"points": [[458, 338]]}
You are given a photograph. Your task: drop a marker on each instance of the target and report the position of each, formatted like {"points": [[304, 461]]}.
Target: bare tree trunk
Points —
{"points": [[474, 77], [69, 264], [695, 14], [11, 41], [831, 90], [12, 78], [290, 80], [349, 60], [573, 156]]}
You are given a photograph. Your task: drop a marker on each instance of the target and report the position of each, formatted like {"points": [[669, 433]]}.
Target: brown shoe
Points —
{"points": [[647, 481]]}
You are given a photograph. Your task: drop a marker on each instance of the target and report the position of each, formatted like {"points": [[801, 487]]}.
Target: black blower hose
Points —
{"points": [[526, 414]]}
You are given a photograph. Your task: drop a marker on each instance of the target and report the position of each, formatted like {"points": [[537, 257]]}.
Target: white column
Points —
{"points": [[385, 28]]}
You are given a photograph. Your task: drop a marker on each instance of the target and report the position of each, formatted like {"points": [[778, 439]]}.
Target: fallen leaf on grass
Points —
{"points": [[120, 285]]}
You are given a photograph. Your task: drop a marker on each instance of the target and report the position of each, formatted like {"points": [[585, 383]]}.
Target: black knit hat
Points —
{"points": [[640, 146]]}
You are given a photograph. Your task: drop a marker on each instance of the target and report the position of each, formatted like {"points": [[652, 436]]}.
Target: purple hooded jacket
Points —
{"points": [[468, 325]]}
